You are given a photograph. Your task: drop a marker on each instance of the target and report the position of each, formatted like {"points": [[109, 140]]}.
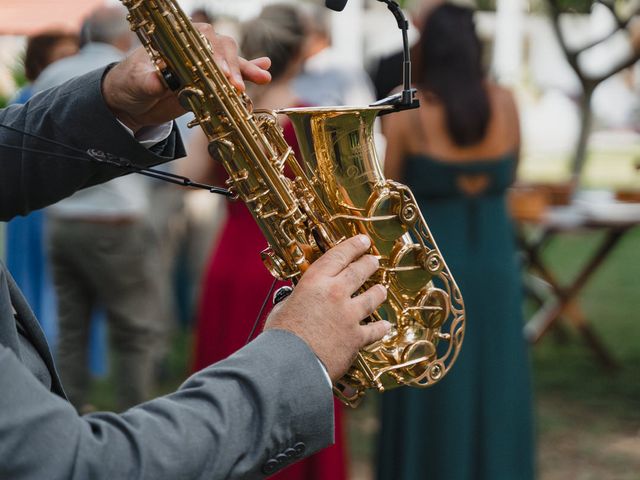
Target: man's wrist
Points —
{"points": [[326, 372], [110, 93]]}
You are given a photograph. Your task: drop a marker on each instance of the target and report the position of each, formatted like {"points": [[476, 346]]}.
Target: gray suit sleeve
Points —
{"points": [[255, 412], [73, 114]]}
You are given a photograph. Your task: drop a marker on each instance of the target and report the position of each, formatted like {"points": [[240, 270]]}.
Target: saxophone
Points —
{"points": [[337, 191]]}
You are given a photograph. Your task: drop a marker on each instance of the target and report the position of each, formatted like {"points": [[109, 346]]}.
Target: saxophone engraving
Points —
{"points": [[337, 191]]}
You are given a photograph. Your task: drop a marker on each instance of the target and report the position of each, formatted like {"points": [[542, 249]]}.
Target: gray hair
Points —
{"points": [[105, 25], [277, 33]]}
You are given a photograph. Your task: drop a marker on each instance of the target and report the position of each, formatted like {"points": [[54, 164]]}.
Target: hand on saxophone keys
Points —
{"points": [[236, 68], [323, 311], [134, 91]]}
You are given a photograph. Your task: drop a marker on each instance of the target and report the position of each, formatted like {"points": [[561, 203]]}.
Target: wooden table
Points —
{"points": [[614, 219]]}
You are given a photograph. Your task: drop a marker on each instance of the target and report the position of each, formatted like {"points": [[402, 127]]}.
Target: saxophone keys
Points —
{"points": [[409, 214], [199, 121], [431, 262]]}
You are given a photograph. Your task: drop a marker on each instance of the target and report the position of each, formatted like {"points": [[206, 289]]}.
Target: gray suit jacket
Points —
{"points": [[245, 417], [125, 196]]}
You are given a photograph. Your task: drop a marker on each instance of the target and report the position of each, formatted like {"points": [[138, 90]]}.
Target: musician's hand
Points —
{"points": [[135, 93], [322, 311]]}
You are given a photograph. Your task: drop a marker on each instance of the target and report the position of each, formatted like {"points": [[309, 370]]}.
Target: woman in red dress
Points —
{"points": [[236, 283]]}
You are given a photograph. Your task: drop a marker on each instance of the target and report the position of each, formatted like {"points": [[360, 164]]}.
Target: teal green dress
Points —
{"points": [[476, 424]]}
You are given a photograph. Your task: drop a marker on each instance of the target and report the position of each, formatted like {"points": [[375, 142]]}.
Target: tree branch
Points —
{"points": [[621, 66], [589, 83], [572, 55], [621, 24]]}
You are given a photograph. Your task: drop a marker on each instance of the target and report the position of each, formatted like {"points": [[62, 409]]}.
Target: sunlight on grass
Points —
{"points": [[612, 168]]}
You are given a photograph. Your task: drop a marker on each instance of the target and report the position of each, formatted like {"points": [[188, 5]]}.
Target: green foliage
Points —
{"points": [[19, 78], [18, 75], [575, 6], [538, 6], [566, 6], [486, 5]]}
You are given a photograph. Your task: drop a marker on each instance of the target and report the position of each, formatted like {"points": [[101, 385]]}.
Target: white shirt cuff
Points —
{"points": [[150, 136], [326, 374]]}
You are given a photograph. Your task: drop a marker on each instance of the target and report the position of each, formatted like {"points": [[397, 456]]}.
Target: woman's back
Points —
{"points": [[424, 131], [502, 130], [460, 188], [463, 189], [464, 206]]}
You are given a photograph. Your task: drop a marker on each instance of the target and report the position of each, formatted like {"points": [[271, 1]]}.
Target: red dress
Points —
{"points": [[235, 285]]}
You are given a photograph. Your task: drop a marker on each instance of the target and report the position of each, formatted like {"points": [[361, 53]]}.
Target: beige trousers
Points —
{"points": [[107, 265]]}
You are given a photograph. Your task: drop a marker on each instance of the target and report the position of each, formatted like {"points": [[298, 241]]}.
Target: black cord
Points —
{"points": [[98, 156], [41, 152], [264, 304], [42, 139]]}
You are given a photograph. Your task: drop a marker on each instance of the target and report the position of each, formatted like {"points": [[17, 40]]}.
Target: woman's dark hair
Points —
{"points": [[449, 66], [38, 54], [278, 33]]}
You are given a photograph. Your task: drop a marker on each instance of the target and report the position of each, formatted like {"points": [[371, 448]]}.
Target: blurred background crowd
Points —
{"points": [[524, 158]]}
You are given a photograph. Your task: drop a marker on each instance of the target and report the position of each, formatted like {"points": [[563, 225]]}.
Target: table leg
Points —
{"points": [[551, 312], [593, 340], [548, 313]]}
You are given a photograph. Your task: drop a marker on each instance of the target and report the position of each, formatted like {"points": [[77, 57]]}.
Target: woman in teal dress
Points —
{"points": [[458, 153]]}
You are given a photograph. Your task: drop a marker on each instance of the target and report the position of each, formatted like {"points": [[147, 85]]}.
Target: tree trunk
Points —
{"points": [[586, 118]]}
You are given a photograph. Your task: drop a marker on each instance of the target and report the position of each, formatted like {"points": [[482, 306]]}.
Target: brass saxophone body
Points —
{"points": [[337, 191]]}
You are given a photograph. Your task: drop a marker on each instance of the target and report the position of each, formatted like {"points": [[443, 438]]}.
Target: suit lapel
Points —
{"points": [[8, 331], [30, 325]]}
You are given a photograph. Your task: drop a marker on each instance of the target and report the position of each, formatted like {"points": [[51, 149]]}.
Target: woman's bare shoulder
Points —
{"points": [[499, 93], [503, 103]]}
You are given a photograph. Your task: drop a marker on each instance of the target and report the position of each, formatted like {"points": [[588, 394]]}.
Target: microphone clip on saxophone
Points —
{"points": [[406, 99]]}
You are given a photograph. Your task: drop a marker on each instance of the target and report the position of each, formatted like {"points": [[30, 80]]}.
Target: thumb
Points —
{"points": [[151, 85], [374, 331]]}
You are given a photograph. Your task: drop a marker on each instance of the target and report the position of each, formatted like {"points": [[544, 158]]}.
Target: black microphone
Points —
{"points": [[335, 5], [407, 98]]}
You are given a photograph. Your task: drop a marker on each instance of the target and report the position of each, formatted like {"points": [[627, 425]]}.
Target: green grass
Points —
{"points": [[588, 417], [604, 168]]}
